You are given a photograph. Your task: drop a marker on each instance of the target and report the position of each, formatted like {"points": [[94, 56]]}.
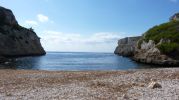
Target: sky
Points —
{"points": [[89, 25]]}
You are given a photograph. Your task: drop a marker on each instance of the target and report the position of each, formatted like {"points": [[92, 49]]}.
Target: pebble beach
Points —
{"points": [[89, 85]]}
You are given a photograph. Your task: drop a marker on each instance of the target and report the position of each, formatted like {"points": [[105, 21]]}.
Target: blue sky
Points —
{"points": [[89, 25]]}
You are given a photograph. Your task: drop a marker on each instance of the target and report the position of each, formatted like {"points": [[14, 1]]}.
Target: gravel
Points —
{"points": [[89, 85]]}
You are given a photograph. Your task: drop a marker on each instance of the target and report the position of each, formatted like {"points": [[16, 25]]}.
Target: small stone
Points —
{"points": [[125, 96], [154, 85]]}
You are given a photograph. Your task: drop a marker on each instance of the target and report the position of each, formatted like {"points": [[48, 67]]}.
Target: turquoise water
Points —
{"points": [[75, 61]]}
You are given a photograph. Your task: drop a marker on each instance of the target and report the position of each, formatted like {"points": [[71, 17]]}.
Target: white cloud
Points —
{"points": [[58, 41], [31, 22], [42, 18]]}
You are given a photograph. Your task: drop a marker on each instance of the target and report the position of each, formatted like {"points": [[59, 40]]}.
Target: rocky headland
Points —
{"points": [[159, 45], [16, 40], [127, 46]]}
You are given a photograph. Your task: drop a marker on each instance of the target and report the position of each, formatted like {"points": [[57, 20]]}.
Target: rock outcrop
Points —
{"points": [[175, 17], [150, 54], [127, 46], [16, 40], [159, 45]]}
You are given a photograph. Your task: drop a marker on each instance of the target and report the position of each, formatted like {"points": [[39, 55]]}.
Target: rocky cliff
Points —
{"points": [[127, 46], [150, 53], [16, 40], [159, 45], [175, 17]]}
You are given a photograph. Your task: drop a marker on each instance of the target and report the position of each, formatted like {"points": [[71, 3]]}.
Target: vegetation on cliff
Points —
{"points": [[169, 32]]}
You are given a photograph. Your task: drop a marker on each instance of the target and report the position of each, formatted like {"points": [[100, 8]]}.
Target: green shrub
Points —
{"points": [[139, 43], [168, 30], [167, 48]]}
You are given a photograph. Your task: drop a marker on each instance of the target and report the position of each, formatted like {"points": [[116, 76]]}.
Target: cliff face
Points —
{"points": [[159, 45], [7, 17], [16, 40], [147, 53], [127, 46], [150, 54]]}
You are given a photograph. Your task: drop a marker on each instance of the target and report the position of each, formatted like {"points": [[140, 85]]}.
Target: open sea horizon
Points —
{"points": [[75, 61]]}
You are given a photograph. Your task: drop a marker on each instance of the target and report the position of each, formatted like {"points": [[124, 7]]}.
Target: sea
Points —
{"points": [[74, 61]]}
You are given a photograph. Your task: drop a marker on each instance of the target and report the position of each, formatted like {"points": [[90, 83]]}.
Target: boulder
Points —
{"points": [[154, 85]]}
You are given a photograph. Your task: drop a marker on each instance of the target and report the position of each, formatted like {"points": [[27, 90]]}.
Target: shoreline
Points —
{"points": [[96, 85]]}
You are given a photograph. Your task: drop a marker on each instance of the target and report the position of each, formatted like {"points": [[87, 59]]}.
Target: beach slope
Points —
{"points": [[90, 85]]}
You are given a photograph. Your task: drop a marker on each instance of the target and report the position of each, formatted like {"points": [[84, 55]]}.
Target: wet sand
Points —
{"points": [[89, 85]]}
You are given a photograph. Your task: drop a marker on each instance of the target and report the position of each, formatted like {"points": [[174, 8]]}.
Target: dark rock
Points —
{"points": [[16, 40], [3, 59], [7, 17]]}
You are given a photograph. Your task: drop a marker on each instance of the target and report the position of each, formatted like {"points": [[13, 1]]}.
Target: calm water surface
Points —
{"points": [[75, 61]]}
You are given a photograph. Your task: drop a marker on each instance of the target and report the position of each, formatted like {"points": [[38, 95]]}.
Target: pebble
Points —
{"points": [[154, 85]]}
